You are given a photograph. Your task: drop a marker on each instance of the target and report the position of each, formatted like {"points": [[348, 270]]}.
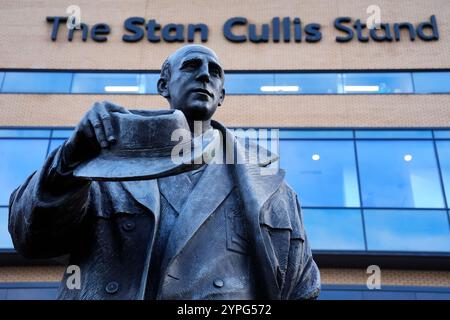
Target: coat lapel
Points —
{"points": [[199, 205], [146, 193], [175, 189]]}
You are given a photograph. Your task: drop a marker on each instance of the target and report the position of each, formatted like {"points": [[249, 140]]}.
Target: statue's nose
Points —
{"points": [[203, 74]]}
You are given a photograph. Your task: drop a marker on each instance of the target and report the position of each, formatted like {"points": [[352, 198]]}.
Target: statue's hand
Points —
{"points": [[92, 133]]}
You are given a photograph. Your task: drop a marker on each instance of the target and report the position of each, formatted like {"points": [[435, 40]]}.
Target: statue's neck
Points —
{"points": [[198, 127]]}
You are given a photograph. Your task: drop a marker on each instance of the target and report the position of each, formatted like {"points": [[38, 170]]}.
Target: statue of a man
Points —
{"points": [[221, 231]]}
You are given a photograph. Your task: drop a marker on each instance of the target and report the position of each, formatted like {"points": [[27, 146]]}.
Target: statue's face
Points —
{"points": [[196, 83]]}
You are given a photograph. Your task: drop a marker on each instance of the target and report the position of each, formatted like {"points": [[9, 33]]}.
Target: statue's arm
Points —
{"points": [[47, 211], [308, 283], [305, 281]]}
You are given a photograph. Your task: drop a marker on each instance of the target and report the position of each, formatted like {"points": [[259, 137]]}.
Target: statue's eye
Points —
{"points": [[215, 70], [190, 64]]}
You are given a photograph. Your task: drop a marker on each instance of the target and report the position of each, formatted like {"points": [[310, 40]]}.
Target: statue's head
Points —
{"points": [[192, 81]]}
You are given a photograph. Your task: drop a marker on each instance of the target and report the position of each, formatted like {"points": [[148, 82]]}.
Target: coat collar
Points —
{"points": [[256, 181]]}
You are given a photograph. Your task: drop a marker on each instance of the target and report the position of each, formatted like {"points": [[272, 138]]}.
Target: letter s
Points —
{"points": [[132, 24], [338, 25]]}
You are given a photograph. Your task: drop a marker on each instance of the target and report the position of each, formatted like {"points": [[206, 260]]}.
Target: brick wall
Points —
{"points": [[329, 276], [24, 29], [271, 111]]}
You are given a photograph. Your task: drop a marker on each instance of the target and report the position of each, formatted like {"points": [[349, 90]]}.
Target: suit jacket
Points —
{"points": [[239, 234]]}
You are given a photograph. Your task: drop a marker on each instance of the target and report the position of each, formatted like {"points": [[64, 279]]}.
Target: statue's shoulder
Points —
{"points": [[283, 211]]}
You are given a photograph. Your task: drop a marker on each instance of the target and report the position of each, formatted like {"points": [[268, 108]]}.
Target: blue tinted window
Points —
{"points": [[111, 83], [403, 230], [241, 83], [433, 295], [2, 75], [432, 82], [334, 229], [315, 134], [55, 143], [62, 133], [236, 83], [442, 134], [443, 148], [377, 83], [18, 159], [150, 81], [21, 133], [340, 295], [388, 295], [38, 82], [393, 134], [399, 174], [310, 83], [322, 172], [5, 238]]}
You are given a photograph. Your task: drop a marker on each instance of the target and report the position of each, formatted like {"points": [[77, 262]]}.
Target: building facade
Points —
{"points": [[363, 113]]}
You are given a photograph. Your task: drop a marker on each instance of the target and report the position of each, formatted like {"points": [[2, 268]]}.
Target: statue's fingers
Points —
{"points": [[97, 125], [105, 118], [112, 107]]}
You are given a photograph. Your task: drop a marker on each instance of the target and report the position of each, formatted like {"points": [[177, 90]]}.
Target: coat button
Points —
{"points": [[218, 283], [112, 287], [129, 226]]}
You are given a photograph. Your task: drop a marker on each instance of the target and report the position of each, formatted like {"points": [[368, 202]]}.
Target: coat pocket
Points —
{"points": [[237, 233]]}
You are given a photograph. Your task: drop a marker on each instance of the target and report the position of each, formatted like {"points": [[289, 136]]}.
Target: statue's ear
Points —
{"points": [[163, 88], [222, 97]]}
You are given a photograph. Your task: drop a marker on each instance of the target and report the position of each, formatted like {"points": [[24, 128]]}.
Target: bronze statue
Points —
{"points": [[208, 231]]}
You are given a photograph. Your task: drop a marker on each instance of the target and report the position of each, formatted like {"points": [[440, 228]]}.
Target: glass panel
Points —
{"points": [[62, 133], [110, 83], [24, 133], [241, 83], [404, 230], [340, 295], [18, 159], [377, 83], [322, 172], [334, 229], [400, 174], [388, 295], [313, 134], [55, 143], [443, 148], [5, 238], [433, 296], [310, 83], [393, 134], [431, 82], [442, 134], [2, 75], [150, 82], [236, 83], [37, 82]]}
